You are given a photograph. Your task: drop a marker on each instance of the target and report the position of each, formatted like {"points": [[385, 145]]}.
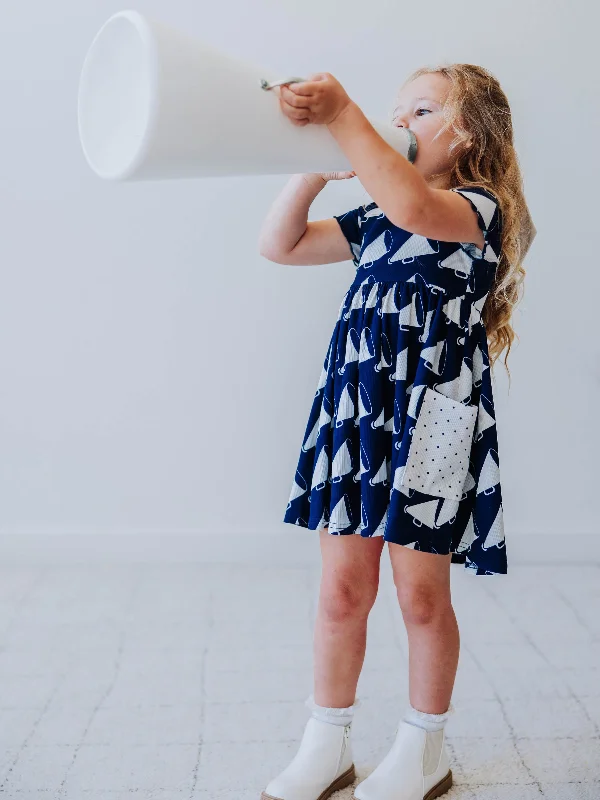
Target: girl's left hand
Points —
{"points": [[320, 99]]}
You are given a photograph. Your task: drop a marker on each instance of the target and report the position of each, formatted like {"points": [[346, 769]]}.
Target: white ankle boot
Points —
{"points": [[322, 765], [416, 768]]}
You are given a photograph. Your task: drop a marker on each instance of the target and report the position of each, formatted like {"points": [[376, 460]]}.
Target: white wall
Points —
{"points": [[157, 373]]}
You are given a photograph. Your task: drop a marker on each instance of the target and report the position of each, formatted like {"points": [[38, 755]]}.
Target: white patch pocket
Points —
{"points": [[438, 456]]}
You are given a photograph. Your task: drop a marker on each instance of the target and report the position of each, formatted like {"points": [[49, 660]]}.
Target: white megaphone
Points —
{"points": [[155, 103]]}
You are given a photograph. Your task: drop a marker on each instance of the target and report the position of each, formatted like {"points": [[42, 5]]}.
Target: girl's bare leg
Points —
{"points": [[422, 583], [349, 584]]}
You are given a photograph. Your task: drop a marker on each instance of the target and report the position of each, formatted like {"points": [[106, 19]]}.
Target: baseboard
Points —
{"points": [[293, 546]]}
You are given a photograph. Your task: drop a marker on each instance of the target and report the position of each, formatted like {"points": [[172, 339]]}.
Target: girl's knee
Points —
{"points": [[343, 598], [421, 604]]}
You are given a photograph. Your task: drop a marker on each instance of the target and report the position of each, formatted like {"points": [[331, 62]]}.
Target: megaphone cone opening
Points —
{"points": [[118, 95]]}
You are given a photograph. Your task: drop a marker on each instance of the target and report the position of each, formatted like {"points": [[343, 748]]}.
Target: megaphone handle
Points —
{"points": [[266, 85]]}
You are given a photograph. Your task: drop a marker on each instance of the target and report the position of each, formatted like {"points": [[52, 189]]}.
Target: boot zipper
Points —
{"points": [[344, 745]]}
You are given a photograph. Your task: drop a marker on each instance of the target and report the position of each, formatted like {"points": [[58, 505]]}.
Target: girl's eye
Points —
{"points": [[423, 109]]}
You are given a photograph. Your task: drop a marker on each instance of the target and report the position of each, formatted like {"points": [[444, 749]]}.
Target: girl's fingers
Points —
{"points": [[305, 88], [293, 99], [294, 110], [296, 113]]}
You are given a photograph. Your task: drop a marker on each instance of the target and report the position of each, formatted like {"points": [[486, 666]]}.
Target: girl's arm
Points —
{"points": [[286, 236], [398, 187]]}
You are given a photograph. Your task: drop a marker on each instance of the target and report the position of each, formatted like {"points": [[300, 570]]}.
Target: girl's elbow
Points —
{"points": [[271, 255], [264, 249]]}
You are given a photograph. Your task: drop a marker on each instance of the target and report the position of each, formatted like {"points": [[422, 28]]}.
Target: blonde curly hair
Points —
{"points": [[477, 109]]}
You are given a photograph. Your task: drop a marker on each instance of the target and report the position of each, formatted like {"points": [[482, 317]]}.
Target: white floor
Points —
{"points": [[189, 681]]}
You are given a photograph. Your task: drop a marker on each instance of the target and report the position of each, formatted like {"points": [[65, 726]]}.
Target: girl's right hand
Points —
{"points": [[337, 176]]}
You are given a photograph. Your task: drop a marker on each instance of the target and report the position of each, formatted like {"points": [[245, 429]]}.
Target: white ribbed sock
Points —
{"points": [[337, 716], [430, 722]]}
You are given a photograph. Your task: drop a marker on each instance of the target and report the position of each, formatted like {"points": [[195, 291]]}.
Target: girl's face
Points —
{"points": [[419, 106]]}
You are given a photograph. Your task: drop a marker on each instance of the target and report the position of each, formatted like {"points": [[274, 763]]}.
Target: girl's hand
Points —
{"points": [[320, 99], [337, 176], [320, 179]]}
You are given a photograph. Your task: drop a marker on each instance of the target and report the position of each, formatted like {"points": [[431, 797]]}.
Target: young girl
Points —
{"points": [[401, 443]]}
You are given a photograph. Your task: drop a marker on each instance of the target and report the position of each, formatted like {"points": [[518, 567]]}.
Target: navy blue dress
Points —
{"points": [[401, 437]]}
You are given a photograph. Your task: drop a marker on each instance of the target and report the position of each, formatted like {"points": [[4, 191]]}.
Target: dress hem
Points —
{"points": [[456, 557]]}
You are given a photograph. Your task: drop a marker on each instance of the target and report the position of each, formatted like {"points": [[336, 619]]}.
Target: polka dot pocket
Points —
{"points": [[438, 456]]}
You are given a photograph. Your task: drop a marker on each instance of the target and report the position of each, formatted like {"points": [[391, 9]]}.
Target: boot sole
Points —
{"points": [[440, 788], [345, 779], [435, 791]]}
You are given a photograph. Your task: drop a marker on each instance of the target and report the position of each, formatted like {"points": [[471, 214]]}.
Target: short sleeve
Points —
{"points": [[351, 223], [489, 217]]}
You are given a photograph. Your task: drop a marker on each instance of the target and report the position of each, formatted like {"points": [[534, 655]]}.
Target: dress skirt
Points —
{"points": [[401, 438]]}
